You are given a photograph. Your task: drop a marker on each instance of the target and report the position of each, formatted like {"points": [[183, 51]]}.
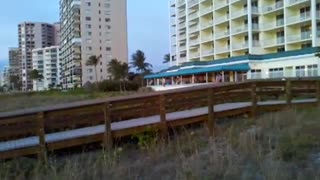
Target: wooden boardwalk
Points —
{"points": [[39, 130]]}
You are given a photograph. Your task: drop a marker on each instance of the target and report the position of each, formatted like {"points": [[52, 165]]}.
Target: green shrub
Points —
{"points": [[110, 85]]}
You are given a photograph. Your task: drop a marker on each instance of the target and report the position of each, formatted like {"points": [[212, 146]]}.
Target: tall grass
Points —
{"points": [[281, 145]]}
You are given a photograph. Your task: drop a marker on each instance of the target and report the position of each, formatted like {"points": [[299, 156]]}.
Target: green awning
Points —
{"points": [[235, 67]]}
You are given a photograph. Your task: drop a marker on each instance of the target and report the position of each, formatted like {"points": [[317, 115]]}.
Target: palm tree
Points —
{"points": [[140, 64], [166, 58], [93, 61], [35, 75], [119, 71]]}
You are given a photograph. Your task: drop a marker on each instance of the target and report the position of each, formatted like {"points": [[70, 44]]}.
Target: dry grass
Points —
{"points": [[30, 100], [261, 149]]}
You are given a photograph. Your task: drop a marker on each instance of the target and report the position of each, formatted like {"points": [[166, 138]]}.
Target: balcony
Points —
{"points": [[299, 18], [183, 36], [220, 19], [209, 52], [220, 4], [182, 13], [194, 42], [194, 55], [207, 38], [303, 36], [76, 41], [194, 29], [182, 48], [222, 49], [273, 25], [206, 10], [239, 30], [192, 3], [273, 7], [239, 13], [239, 46], [76, 4], [182, 25], [194, 15], [221, 35], [296, 2], [274, 42], [207, 24], [181, 2]]}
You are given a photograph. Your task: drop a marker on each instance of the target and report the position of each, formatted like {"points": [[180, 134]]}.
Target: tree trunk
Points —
{"points": [[95, 70]]}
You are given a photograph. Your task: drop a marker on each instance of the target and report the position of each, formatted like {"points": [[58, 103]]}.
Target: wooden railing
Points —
{"points": [[125, 116]]}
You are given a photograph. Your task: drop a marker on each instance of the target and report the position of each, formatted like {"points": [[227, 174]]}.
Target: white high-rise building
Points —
{"points": [[47, 62], [91, 28], [204, 30]]}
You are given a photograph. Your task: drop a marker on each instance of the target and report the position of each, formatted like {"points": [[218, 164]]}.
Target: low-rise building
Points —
{"points": [[47, 62]]}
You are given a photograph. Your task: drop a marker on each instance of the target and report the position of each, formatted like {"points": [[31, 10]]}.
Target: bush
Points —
{"points": [[110, 85]]}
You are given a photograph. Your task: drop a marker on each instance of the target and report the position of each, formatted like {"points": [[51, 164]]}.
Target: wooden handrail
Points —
{"points": [[156, 105]]}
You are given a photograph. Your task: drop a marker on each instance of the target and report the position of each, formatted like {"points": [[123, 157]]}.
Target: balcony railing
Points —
{"points": [[272, 25], [222, 34], [273, 7], [194, 28], [182, 13], [237, 46], [194, 15], [194, 42], [221, 19], [299, 18], [207, 24], [181, 2], [206, 10], [192, 2], [239, 13], [222, 49], [208, 52], [207, 38], [301, 37], [194, 55], [240, 29], [274, 42], [220, 3], [291, 2]]}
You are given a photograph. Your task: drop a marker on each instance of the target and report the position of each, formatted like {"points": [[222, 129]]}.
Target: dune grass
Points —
{"points": [[11, 102], [282, 145]]}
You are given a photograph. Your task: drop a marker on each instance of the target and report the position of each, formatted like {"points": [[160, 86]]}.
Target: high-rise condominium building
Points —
{"points": [[14, 61], [32, 35], [47, 62], [91, 28], [203, 30]]}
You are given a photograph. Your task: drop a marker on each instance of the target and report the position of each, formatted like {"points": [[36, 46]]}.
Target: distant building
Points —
{"points": [[91, 27], [33, 35], [5, 75], [47, 62], [15, 61]]}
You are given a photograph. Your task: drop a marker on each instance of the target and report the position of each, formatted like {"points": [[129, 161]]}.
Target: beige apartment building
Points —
{"points": [[204, 30], [91, 28], [33, 35]]}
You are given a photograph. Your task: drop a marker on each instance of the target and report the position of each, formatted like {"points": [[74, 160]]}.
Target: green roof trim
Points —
{"points": [[183, 72], [195, 70]]}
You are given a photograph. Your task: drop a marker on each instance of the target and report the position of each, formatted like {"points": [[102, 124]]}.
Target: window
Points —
{"points": [[88, 26], [256, 74], [276, 72], [280, 19], [108, 49], [312, 70], [88, 18], [300, 71], [88, 3]]}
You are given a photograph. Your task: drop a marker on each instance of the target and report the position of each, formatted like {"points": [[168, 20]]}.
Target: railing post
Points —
{"points": [[211, 117], [318, 92], [288, 92], [107, 140], [163, 119], [42, 155], [254, 100]]}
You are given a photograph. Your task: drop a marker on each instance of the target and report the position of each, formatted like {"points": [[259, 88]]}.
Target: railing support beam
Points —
{"points": [[107, 140], [163, 120], [42, 155], [211, 116], [288, 92], [254, 102]]}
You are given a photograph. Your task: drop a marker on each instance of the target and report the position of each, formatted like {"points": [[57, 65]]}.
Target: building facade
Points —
{"points": [[32, 35], [47, 62], [14, 61], [5, 77], [204, 30], [91, 28]]}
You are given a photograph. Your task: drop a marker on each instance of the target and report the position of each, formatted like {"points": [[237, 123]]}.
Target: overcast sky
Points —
{"points": [[148, 25]]}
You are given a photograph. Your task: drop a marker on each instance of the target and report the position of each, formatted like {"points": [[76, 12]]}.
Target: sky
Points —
{"points": [[148, 25]]}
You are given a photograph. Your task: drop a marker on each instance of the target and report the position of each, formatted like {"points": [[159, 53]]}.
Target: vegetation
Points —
{"points": [[93, 61], [36, 76], [140, 64], [15, 82], [166, 58], [119, 72], [276, 146]]}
